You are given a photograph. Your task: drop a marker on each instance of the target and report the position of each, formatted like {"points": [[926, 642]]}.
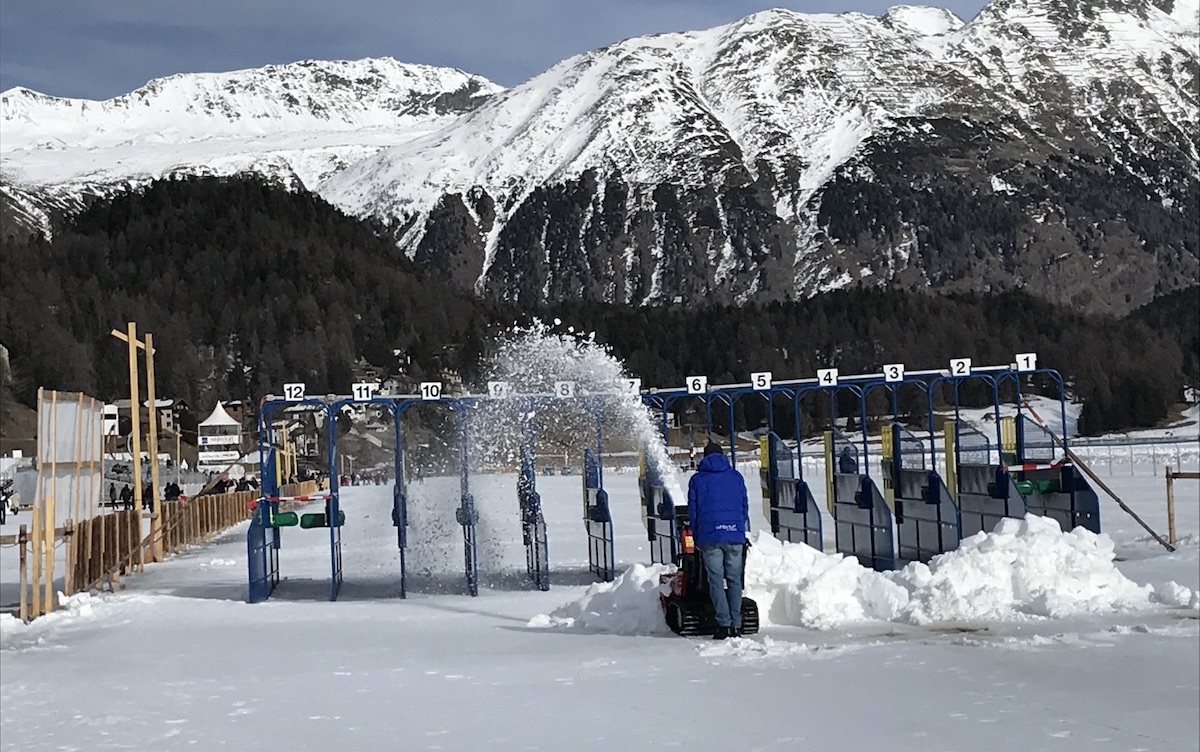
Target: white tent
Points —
{"points": [[219, 418]]}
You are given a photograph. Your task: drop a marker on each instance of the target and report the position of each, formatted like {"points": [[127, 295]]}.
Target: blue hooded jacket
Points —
{"points": [[718, 508]]}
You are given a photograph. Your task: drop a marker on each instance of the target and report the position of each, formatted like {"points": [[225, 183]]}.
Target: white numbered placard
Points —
{"points": [[697, 384], [364, 390], [632, 386], [1026, 361], [564, 389], [499, 389], [760, 380], [293, 392], [960, 367], [827, 376], [893, 372], [431, 390]]}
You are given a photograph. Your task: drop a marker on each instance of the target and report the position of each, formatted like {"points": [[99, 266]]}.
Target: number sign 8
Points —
{"points": [[564, 389]]}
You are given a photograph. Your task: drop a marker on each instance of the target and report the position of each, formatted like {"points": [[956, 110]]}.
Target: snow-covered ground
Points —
{"points": [[971, 662]]}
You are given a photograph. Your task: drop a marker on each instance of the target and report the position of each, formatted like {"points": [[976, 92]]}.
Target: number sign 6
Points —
{"points": [[697, 384]]}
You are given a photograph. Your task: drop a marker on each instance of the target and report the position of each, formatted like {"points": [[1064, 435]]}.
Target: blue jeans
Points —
{"points": [[723, 564]]}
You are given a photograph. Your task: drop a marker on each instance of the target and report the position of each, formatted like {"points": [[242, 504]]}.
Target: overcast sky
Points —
{"points": [[101, 48]]}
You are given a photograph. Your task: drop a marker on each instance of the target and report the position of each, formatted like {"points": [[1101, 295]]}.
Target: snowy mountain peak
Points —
{"points": [[921, 20]]}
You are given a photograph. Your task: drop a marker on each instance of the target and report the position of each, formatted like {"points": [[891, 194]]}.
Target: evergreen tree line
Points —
{"points": [[247, 286]]}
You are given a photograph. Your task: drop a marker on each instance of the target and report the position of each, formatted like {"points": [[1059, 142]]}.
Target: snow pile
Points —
{"points": [[627, 605], [14, 633], [1024, 566], [1024, 569]]}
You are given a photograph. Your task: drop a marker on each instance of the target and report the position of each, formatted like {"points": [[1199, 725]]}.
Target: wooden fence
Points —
{"points": [[101, 550], [1172, 475]]}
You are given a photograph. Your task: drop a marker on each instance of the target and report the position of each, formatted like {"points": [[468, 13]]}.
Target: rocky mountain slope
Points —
{"points": [[1046, 145]]}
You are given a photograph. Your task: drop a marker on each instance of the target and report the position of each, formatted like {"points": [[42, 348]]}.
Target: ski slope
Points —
{"points": [[178, 661]]}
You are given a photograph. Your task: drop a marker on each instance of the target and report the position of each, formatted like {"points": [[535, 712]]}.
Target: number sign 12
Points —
{"points": [[293, 392], [697, 384], [431, 390]]}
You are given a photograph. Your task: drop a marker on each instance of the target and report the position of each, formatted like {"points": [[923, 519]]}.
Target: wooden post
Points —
{"points": [[35, 593], [135, 414], [23, 543], [68, 546], [155, 501], [1170, 506], [77, 458], [48, 530]]}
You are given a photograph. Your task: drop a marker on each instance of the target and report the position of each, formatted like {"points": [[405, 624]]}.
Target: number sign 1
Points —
{"points": [[564, 389], [1026, 361], [760, 380], [364, 390], [293, 392], [697, 384], [893, 372], [960, 367], [827, 376], [431, 390], [499, 389]]}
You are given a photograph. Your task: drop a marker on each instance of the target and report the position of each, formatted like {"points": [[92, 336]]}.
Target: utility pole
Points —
{"points": [[155, 500], [135, 414]]}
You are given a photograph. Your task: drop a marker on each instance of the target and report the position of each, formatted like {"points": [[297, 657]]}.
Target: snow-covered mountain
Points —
{"points": [[1042, 144], [297, 123]]}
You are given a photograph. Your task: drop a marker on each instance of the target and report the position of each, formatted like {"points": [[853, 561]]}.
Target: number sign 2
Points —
{"points": [[960, 367]]}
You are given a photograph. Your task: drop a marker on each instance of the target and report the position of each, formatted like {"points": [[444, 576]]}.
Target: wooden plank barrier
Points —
{"points": [[1172, 476]]}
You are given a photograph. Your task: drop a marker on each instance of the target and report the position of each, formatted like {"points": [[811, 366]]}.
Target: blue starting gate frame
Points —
{"points": [[597, 518], [792, 512], [533, 523]]}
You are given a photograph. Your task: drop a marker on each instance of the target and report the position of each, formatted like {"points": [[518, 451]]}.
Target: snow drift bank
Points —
{"points": [[1024, 569]]}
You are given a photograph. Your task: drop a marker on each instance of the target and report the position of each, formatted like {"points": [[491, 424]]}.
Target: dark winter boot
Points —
{"points": [[721, 633]]}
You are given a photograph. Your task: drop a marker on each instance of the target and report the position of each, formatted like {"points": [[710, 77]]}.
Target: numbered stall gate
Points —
{"points": [[533, 524], [862, 519], [984, 490], [264, 537], [926, 517], [1053, 488], [793, 513], [597, 519], [659, 513]]}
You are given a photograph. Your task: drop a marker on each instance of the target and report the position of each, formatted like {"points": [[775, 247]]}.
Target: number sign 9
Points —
{"points": [[893, 372], [697, 384], [499, 389], [293, 392], [431, 390], [960, 367], [761, 380]]}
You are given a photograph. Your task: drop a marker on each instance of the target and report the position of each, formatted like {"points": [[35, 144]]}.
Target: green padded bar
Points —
{"points": [[317, 519], [286, 519]]}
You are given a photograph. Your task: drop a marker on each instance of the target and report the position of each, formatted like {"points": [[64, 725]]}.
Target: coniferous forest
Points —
{"points": [[246, 286]]}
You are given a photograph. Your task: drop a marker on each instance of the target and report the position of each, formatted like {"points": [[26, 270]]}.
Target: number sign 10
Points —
{"points": [[431, 390]]}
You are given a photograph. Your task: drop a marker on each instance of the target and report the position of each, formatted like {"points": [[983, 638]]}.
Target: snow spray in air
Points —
{"points": [[532, 361]]}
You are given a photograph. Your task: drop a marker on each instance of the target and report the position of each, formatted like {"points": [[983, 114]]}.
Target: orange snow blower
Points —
{"points": [[688, 608]]}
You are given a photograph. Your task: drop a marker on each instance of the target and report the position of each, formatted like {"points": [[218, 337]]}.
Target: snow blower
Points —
{"points": [[688, 608]]}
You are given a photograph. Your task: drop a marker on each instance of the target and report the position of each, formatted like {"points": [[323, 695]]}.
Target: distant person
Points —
{"points": [[126, 497], [112, 495], [719, 516], [847, 462]]}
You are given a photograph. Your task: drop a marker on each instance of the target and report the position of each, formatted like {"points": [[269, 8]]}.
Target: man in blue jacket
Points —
{"points": [[718, 513]]}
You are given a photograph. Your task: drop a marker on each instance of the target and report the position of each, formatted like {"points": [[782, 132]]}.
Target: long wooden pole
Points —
{"points": [[135, 412], [155, 500], [23, 542], [51, 521], [77, 456], [1083, 466], [1170, 506]]}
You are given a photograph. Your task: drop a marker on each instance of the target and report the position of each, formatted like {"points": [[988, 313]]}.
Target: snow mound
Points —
{"points": [[16, 634], [627, 605], [1024, 569]]}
